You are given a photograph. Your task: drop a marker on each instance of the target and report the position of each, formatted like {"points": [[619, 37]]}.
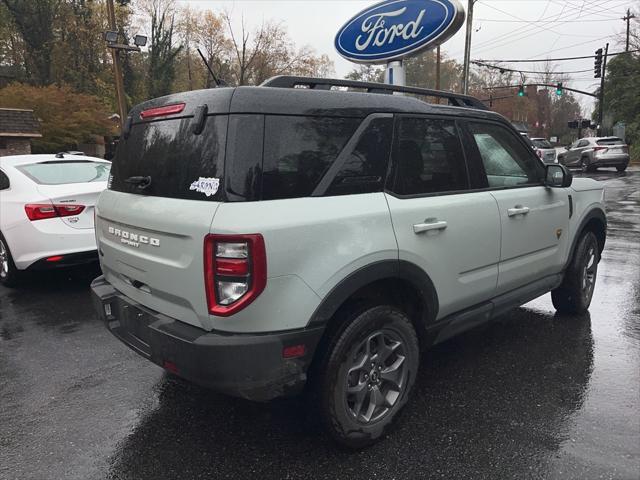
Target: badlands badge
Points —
{"points": [[207, 185]]}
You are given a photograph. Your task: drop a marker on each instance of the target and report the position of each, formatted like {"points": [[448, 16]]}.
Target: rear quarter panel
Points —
{"points": [[312, 244]]}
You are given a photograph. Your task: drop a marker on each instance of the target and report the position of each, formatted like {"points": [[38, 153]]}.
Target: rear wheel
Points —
{"points": [[366, 375], [584, 165], [575, 293], [9, 274], [621, 168]]}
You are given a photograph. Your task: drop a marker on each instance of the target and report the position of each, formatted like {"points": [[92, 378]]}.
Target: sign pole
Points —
{"points": [[395, 74]]}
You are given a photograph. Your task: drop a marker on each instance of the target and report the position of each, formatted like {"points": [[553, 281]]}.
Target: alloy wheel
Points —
{"points": [[4, 260], [589, 271], [376, 377]]}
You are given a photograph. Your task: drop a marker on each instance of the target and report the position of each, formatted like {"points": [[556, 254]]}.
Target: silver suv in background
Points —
{"points": [[544, 150], [593, 152]]}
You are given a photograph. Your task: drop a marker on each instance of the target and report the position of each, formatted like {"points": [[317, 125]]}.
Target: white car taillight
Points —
{"points": [[235, 271], [42, 211]]}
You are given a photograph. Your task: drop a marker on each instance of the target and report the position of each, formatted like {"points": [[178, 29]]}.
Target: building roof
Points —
{"points": [[15, 122]]}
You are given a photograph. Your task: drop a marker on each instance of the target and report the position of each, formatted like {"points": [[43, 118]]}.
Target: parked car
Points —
{"points": [[46, 212], [544, 150], [255, 240], [592, 152]]}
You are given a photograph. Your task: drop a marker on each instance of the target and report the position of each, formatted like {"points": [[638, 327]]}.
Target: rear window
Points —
{"points": [[179, 163], [541, 143], [299, 150], [610, 141], [59, 173]]}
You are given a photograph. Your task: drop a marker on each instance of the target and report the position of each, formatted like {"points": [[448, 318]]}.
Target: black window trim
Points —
{"points": [[335, 168], [393, 170], [475, 154]]}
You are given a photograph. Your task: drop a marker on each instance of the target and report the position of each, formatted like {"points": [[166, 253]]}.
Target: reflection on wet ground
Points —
{"points": [[534, 395]]}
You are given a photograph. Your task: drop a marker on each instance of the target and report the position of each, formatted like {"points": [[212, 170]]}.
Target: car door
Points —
{"points": [[533, 218], [576, 151], [450, 232]]}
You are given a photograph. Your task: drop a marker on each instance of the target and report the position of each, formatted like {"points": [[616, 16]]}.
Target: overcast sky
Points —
{"points": [[503, 29]]}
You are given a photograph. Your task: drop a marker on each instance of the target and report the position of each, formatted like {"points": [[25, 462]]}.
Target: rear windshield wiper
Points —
{"points": [[139, 181]]}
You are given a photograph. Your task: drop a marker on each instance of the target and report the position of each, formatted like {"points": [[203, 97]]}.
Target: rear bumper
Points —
{"points": [[604, 160], [68, 260], [247, 366]]}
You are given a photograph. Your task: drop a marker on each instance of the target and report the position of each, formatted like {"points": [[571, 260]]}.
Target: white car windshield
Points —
{"points": [[59, 173]]}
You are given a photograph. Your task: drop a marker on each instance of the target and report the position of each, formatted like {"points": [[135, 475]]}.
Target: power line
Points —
{"points": [[551, 59], [547, 21], [533, 28], [498, 67]]}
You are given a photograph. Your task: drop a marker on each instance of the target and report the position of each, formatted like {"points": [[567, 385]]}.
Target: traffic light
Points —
{"points": [[597, 64], [559, 89], [521, 91]]}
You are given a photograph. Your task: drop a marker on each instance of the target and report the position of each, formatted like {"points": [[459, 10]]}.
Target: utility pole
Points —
{"points": [[601, 99], [438, 70], [627, 19], [117, 69], [467, 48]]}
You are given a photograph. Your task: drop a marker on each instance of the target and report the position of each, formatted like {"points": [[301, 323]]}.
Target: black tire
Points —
{"points": [[10, 276], [576, 291], [621, 168], [380, 331], [585, 167]]}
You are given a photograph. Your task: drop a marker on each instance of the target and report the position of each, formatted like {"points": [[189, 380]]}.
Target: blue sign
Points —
{"points": [[394, 29]]}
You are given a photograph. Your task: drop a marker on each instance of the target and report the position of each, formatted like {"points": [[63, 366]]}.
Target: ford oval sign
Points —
{"points": [[394, 29]]}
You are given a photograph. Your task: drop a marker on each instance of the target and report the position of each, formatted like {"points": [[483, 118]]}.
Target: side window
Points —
{"points": [[428, 157], [583, 143], [366, 166], [507, 162], [4, 181], [298, 150]]}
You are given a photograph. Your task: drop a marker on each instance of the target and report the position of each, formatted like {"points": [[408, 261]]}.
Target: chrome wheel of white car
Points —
{"points": [[4, 260], [9, 274]]}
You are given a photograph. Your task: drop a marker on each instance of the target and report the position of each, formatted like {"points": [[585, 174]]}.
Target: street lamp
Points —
{"points": [[140, 40], [110, 36]]}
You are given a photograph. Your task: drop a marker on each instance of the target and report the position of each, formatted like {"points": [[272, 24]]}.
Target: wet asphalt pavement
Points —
{"points": [[535, 395]]}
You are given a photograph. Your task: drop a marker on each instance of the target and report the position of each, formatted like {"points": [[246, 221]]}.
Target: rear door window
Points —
{"points": [[63, 172], [298, 151], [4, 181], [180, 163], [428, 156]]}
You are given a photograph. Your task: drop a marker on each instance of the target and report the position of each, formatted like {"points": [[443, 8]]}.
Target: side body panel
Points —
{"points": [[534, 243], [312, 244], [461, 259]]}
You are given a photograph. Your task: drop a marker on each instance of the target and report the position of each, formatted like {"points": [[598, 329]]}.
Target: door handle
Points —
{"points": [[430, 224], [517, 210]]}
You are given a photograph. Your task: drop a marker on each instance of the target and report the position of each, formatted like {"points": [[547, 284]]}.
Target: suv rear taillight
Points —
{"points": [[41, 211], [235, 271], [600, 149]]}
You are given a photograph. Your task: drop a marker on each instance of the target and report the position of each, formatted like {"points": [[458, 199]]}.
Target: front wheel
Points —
{"points": [[367, 375], [575, 293]]}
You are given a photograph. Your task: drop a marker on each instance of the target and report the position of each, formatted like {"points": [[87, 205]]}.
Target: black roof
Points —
{"points": [[305, 101], [18, 123]]}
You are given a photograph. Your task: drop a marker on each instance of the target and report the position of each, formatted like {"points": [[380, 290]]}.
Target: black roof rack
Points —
{"points": [[455, 99]]}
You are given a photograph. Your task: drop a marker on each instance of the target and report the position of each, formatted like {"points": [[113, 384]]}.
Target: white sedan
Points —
{"points": [[46, 211]]}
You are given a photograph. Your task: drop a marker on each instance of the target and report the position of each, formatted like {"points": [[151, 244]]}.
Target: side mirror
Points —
{"points": [[557, 176]]}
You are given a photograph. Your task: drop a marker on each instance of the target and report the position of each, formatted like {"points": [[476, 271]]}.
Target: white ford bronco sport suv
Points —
{"points": [[257, 239]]}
